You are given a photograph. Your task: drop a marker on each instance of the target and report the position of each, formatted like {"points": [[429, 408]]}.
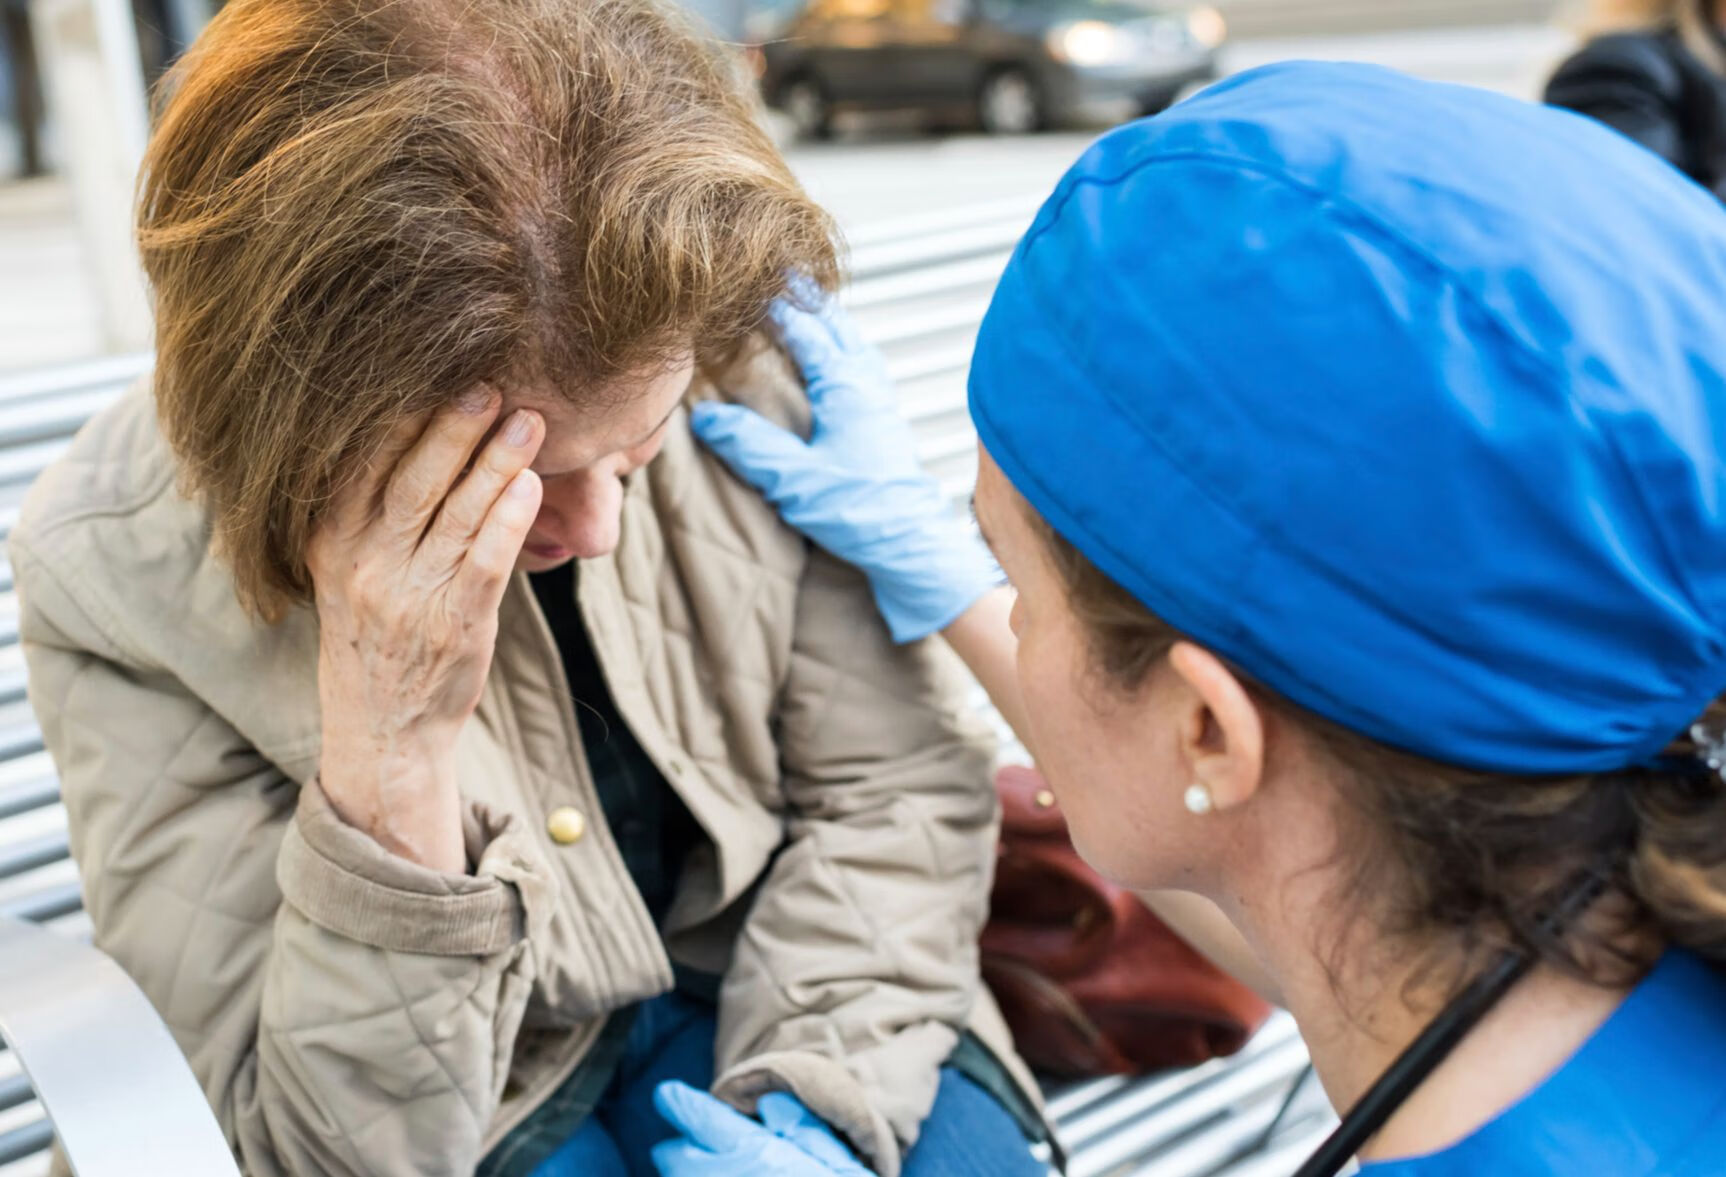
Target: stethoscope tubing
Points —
{"points": [[1434, 1045], [1411, 1068]]}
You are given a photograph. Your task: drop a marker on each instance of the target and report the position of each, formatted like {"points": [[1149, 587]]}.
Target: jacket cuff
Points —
{"points": [[343, 881], [826, 1088]]}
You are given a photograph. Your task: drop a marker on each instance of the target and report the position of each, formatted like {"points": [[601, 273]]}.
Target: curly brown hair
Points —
{"points": [[1481, 859], [354, 211]]}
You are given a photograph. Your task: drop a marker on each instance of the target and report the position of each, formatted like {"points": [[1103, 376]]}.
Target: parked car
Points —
{"points": [[1013, 65]]}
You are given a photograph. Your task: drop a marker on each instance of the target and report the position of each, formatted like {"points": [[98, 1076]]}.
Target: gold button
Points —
{"points": [[1045, 800], [565, 825]]}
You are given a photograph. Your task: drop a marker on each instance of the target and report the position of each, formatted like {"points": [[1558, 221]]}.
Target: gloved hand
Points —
{"points": [[719, 1141], [856, 487]]}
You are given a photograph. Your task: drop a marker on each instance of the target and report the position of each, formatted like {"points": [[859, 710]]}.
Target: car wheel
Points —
{"points": [[1009, 103], [805, 103], [1157, 103]]}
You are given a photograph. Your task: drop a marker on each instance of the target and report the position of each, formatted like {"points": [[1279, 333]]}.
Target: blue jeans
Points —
{"points": [[967, 1135]]}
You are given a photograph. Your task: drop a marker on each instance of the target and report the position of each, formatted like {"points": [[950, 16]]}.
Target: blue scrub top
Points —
{"points": [[1644, 1097]]}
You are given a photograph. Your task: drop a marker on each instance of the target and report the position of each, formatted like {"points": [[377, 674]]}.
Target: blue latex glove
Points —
{"points": [[856, 487], [718, 1141]]}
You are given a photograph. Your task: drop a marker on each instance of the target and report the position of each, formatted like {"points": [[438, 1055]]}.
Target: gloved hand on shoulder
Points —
{"points": [[856, 487]]}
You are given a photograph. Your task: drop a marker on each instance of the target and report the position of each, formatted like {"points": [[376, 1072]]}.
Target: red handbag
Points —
{"points": [[1090, 980]]}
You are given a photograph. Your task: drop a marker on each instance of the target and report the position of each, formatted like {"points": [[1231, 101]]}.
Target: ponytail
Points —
{"points": [[1678, 867]]}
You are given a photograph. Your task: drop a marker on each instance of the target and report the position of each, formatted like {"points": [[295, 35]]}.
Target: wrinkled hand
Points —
{"points": [[789, 1141], [409, 567], [856, 487]]}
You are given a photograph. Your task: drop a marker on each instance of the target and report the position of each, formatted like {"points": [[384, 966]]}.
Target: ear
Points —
{"points": [[1222, 739]]}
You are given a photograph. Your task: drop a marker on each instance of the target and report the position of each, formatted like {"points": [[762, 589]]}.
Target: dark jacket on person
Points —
{"points": [[1653, 88]]}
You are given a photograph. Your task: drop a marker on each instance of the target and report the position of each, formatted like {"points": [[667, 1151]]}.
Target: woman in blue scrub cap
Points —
{"points": [[1357, 449]]}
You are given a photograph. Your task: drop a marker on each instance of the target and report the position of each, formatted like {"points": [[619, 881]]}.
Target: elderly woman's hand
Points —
{"points": [[409, 568]]}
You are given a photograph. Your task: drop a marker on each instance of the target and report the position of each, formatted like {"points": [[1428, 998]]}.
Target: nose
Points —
{"points": [[580, 513]]}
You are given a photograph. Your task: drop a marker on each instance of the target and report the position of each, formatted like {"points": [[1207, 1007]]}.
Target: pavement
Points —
{"points": [[891, 173], [875, 182]]}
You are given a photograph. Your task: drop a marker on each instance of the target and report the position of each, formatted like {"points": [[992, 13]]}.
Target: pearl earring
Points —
{"points": [[1199, 800]]}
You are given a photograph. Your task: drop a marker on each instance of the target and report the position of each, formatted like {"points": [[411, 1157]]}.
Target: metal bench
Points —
{"points": [[920, 286]]}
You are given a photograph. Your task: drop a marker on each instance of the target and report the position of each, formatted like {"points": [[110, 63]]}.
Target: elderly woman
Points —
{"points": [[453, 749], [1656, 71], [1357, 447]]}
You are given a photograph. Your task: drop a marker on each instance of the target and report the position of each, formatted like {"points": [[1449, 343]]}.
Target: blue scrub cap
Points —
{"points": [[1405, 398]]}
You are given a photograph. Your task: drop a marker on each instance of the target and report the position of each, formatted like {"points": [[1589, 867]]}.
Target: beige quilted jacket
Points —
{"points": [[349, 1012]]}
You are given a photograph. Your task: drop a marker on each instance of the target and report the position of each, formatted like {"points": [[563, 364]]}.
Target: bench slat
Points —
{"points": [[54, 416], [50, 903], [111, 372], [15, 1092], [927, 225], [21, 464], [28, 796], [28, 1140], [19, 738], [870, 262], [26, 854], [1151, 1096], [1286, 1154], [1266, 1075], [1236, 1135]]}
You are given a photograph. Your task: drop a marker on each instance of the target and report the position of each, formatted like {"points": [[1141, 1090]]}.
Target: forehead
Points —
{"points": [[585, 425], [995, 498], [1006, 520]]}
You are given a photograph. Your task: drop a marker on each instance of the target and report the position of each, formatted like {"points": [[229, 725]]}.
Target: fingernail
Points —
{"points": [[519, 427], [522, 485], [476, 401]]}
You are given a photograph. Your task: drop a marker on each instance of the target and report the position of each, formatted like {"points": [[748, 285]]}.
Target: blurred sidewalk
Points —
{"points": [[1514, 59], [48, 308], [1275, 18], [891, 175]]}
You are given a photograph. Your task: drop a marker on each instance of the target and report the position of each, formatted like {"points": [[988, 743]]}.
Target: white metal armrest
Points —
{"points": [[116, 1088]]}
